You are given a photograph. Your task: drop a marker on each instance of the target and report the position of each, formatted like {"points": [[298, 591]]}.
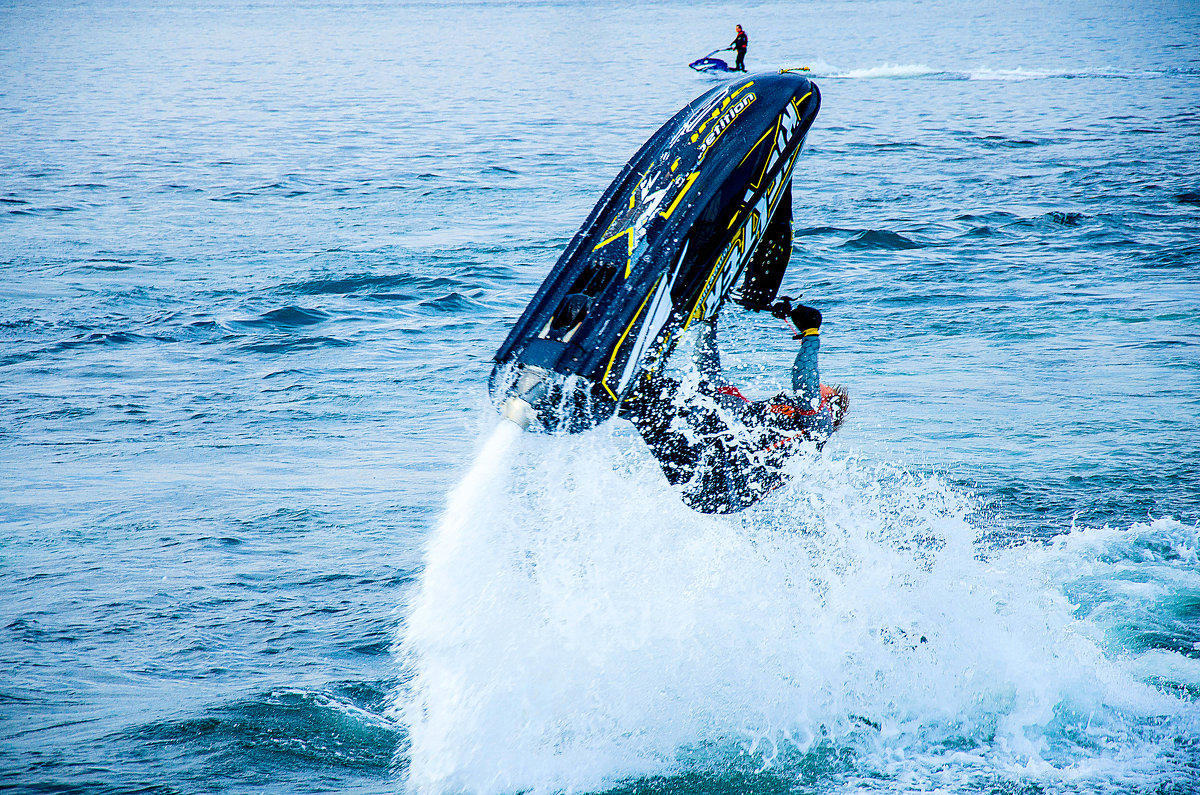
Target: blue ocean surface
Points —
{"points": [[259, 533]]}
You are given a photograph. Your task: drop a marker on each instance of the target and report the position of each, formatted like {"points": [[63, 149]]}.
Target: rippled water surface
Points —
{"points": [[256, 258]]}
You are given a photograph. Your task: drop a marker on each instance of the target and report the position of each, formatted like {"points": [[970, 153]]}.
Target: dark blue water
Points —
{"points": [[255, 261]]}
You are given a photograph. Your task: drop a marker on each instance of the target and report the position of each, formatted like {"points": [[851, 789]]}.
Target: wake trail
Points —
{"points": [[889, 71]]}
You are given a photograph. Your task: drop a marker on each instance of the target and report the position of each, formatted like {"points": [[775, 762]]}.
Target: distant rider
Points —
{"points": [[725, 451], [739, 43]]}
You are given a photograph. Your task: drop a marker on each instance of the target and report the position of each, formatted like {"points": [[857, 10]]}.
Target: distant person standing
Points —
{"points": [[739, 43]]}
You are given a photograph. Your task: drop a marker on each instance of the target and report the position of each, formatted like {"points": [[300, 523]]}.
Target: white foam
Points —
{"points": [[883, 71], [576, 625]]}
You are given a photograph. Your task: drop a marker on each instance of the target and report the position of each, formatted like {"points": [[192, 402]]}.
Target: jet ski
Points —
{"points": [[710, 64], [701, 213]]}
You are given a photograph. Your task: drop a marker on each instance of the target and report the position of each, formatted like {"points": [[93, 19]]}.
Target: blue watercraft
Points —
{"points": [[710, 64]]}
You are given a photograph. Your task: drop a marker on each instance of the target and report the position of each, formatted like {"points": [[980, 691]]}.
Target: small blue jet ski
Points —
{"points": [[710, 64]]}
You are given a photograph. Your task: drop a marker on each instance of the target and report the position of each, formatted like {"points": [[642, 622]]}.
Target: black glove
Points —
{"points": [[803, 317]]}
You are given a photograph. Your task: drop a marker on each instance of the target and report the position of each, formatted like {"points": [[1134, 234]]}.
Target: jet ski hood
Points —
{"points": [[665, 245]]}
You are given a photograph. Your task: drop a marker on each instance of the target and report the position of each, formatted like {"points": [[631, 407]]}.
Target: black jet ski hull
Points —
{"points": [[666, 244]]}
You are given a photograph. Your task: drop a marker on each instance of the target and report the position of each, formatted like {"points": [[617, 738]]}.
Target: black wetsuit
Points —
{"points": [[739, 43], [724, 452]]}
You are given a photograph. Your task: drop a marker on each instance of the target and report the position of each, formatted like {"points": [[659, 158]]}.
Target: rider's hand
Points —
{"points": [[803, 317]]}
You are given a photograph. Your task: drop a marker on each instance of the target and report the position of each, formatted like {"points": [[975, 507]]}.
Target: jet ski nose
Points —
{"points": [[524, 395], [518, 412]]}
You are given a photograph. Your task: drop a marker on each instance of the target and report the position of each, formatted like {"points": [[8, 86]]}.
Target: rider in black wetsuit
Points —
{"points": [[726, 452], [739, 43]]}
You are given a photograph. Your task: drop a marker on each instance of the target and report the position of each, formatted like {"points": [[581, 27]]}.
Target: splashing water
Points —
{"points": [[577, 627]]}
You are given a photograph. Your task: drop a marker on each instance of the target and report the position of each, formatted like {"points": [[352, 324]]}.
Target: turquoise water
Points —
{"points": [[259, 535]]}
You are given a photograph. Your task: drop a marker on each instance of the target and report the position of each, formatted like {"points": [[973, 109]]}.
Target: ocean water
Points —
{"points": [[260, 532]]}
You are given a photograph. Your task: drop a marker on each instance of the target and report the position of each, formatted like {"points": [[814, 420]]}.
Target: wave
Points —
{"points": [[383, 287], [993, 216], [40, 211], [296, 344], [451, 302], [881, 239], [340, 727], [103, 338], [1064, 218], [348, 285], [576, 627], [1052, 219], [1007, 142], [286, 318], [1182, 257], [810, 231], [287, 190]]}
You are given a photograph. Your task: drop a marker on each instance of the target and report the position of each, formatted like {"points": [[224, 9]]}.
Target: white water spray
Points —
{"points": [[577, 626]]}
